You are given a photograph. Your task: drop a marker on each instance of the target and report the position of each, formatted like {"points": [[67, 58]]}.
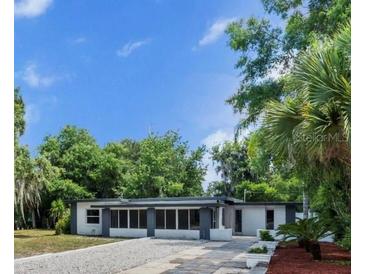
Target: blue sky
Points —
{"points": [[123, 68]]}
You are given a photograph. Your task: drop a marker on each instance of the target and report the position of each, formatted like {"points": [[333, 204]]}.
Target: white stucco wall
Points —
{"points": [[254, 217], [279, 216], [128, 232], [177, 234], [82, 226], [221, 234]]}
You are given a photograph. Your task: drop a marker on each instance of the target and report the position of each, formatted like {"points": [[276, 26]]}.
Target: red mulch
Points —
{"points": [[292, 259]]}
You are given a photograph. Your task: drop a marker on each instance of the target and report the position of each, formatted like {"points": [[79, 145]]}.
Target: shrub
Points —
{"points": [[63, 226], [258, 250], [266, 236], [57, 209], [345, 242], [307, 232]]}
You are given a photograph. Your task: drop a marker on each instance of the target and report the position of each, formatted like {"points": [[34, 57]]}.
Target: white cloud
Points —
{"points": [[33, 111], [79, 40], [32, 114], [31, 8], [215, 31], [216, 138], [34, 79], [128, 48]]}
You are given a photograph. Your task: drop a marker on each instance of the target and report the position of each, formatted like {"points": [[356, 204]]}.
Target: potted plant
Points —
{"points": [[257, 254]]}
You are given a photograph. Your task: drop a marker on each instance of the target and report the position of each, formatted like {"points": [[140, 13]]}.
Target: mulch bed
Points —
{"points": [[292, 259]]}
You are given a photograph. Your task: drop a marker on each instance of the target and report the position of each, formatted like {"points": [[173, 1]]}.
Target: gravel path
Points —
{"points": [[110, 258]]}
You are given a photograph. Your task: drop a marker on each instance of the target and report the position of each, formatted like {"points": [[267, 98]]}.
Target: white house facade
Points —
{"points": [[210, 218]]}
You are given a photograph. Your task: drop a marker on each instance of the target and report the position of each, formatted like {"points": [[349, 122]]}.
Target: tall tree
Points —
{"points": [[30, 174], [268, 51], [312, 127], [160, 166], [78, 157], [231, 162]]}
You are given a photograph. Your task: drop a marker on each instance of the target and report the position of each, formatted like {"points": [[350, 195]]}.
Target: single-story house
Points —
{"points": [[210, 218]]}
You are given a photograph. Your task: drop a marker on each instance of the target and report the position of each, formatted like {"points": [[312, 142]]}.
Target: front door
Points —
{"points": [[238, 223]]}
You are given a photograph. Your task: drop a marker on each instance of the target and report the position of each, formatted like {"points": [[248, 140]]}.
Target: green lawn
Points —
{"points": [[39, 241]]}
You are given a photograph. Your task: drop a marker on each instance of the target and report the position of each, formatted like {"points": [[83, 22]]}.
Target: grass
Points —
{"points": [[40, 241]]}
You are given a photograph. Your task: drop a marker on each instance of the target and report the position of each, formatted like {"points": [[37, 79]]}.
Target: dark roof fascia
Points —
{"points": [[172, 199], [167, 199], [269, 203], [157, 205], [97, 200]]}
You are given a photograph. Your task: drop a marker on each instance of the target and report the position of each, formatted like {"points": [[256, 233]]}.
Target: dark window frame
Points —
{"points": [[133, 225], [183, 224], [114, 223], [194, 217], [92, 216], [120, 219], [167, 223], [140, 220], [158, 225], [270, 224]]}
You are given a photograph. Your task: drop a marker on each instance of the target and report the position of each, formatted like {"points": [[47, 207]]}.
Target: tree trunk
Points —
{"points": [[301, 243], [307, 245], [34, 224], [305, 205], [316, 251]]}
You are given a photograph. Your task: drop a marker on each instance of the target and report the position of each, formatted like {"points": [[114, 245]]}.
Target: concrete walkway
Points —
{"points": [[211, 257]]}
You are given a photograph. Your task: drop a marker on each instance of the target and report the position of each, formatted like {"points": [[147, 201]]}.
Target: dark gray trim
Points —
{"points": [[105, 221], [151, 222], [205, 218], [97, 200], [178, 199], [73, 209], [269, 203], [157, 205], [290, 214], [160, 199]]}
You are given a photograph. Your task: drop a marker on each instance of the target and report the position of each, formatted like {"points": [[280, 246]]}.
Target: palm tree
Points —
{"points": [[311, 127], [315, 122], [30, 179], [307, 232], [57, 210]]}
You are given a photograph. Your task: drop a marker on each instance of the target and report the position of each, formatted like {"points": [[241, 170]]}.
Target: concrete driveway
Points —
{"points": [[210, 257], [145, 256]]}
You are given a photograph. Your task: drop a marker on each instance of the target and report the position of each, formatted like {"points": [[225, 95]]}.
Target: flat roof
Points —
{"points": [[174, 201]]}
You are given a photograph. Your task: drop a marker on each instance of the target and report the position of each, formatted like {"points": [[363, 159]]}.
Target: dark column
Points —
{"points": [[205, 215], [73, 218], [105, 221], [151, 222], [290, 214]]}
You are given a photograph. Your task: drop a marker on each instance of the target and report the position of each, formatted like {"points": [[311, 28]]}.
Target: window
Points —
{"points": [[92, 216], [171, 219], [123, 218], [142, 218], [213, 218], [269, 219], [194, 219], [183, 219], [160, 219], [238, 221], [114, 218], [223, 217], [133, 218]]}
